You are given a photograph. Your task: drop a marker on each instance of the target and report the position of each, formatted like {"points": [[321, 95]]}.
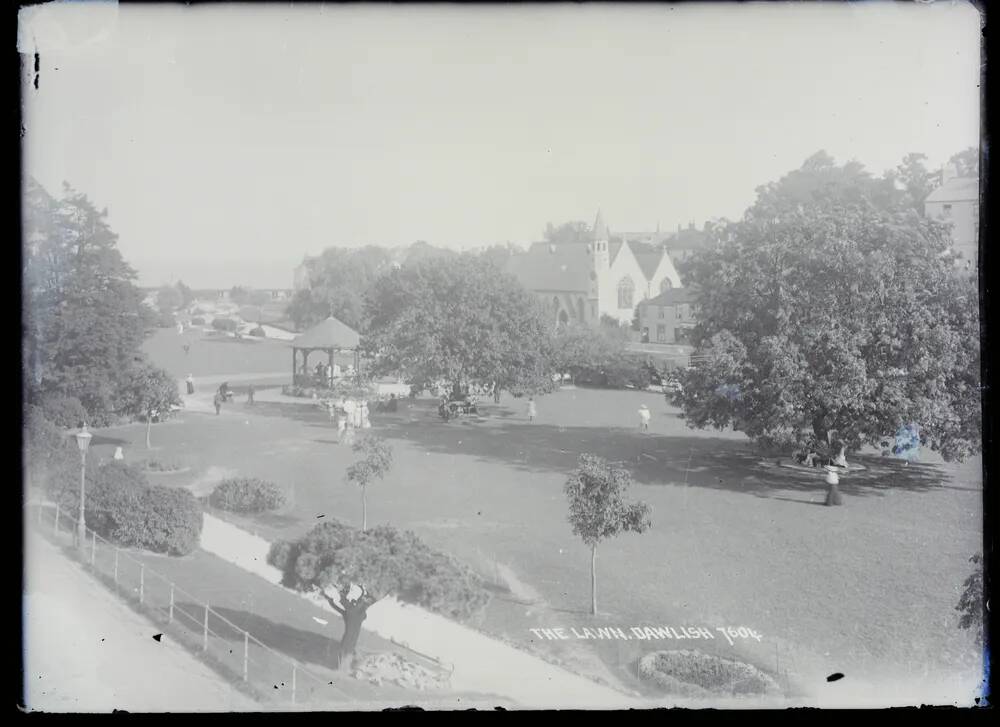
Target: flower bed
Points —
{"points": [[392, 668], [694, 674]]}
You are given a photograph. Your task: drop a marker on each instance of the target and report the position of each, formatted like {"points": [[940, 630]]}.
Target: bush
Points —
{"points": [[694, 674], [155, 465], [165, 319], [122, 507], [197, 321], [225, 324], [63, 411], [258, 331], [392, 668], [970, 605], [247, 495], [198, 312], [50, 457]]}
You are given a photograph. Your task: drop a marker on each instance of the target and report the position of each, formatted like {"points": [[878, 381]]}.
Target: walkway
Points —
{"points": [[86, 651]]}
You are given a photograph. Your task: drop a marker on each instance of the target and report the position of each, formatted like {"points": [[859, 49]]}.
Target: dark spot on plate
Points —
{"points": [[835, 677]]}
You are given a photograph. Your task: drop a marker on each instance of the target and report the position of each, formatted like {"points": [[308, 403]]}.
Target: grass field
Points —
{"points": [[867, 589]]}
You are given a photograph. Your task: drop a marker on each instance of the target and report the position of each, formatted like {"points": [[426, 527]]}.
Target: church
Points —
{"points": [[582, 281]]}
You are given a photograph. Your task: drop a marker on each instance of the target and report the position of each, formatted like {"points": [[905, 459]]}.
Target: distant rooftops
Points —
{"points": [[956, 189]]}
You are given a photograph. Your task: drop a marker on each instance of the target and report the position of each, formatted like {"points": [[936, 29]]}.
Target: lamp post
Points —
{"points": [[83, 438]]}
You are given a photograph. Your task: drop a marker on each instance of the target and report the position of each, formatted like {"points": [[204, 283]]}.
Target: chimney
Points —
{"points": [[948, 172]]}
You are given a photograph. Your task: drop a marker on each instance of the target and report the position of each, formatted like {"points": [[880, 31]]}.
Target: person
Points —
{"points": [[532, 412], [644, 418], [250, 393], [392, 402], [187, 348], [190, 384], [217, 402], [119, 455], [365, 422], [180, 328]]}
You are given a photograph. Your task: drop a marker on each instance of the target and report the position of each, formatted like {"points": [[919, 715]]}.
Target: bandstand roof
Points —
{"points": [[328, 334]]}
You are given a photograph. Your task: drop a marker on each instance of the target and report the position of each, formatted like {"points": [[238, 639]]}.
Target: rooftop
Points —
{"points": [[672, 296], [957, 189], [330, 333]]}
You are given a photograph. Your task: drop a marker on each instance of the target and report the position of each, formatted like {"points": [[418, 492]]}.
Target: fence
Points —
{"points": [[230, 650]]}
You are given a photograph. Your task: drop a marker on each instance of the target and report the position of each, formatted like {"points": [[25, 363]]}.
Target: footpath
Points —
{"points": [[86, 651]]}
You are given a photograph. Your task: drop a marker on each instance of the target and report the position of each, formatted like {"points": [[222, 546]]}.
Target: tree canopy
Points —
{"points": [[837, 310], [460, 319], [84, 316], [575, 231]]}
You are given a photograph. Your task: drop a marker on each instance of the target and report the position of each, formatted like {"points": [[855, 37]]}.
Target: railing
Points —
{"points": [[232, 651]]}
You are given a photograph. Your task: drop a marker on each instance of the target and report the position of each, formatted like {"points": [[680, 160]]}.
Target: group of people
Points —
{"points": [[348, 415]]}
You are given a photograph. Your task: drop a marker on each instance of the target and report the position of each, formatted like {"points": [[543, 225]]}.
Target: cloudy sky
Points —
{"points": [[228, 141]]}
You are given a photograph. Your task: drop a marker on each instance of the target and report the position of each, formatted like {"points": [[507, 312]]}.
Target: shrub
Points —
{"points": [[392, 668], [49, 455], [155, 465], [247, 495], [198, 312], [224, 324], [970, 605], [197, 321], [692, 673], [63, 411], [258, 331], [122, 507]]}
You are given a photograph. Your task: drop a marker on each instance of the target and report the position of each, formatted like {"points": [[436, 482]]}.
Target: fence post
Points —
{"points": [[204, 636], [39, 516], [293, 682], [170, 615], [246, 653], [93, 549], [142, 581], [56, 529], [116, 570]]}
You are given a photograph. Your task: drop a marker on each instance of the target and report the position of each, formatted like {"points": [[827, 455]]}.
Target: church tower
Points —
{"points": [[599, 243]]}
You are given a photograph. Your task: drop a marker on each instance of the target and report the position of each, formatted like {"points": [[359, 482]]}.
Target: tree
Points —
{"points": [[239, 295], [187, 295], [362, 567], [966, 162], [839, 315], [148, 392], [339, 280], [917, 181], [598, 511], [576, 231], [582, 349], [169, 299], [374, 464], [459, 319], [84, 320]]}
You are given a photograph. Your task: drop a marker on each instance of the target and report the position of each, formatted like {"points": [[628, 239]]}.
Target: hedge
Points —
{"points": [[197, 321], [225, 324], [247, 495], [122, 507], [259, 332], [63, 411]]}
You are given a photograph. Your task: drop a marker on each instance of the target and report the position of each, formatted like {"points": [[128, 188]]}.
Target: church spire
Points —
{"points": [[600, 231]]}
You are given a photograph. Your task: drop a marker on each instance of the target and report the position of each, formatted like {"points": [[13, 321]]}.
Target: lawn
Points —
{"points": [[867, 589]]}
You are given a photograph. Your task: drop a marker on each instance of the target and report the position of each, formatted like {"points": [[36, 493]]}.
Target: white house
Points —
{"points": [[956, 202]]}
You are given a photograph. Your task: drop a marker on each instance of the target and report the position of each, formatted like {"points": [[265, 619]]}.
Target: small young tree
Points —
{"points": [[364, 567], [148, 390], [374, 464], [597, 508]]}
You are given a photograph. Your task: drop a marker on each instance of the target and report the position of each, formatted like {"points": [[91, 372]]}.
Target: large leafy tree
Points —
{"points": [[837, 313], [598, 510], [460, 319], [917, 181], [574, 231], [338, 280], [84, 320], [966, 162], [362, 567]]}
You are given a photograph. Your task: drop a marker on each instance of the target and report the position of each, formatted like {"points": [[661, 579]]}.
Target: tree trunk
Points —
{"points": [[354, 616], [833, 495], [149, 425], [364, 508], [819, 428], [593, 579]]}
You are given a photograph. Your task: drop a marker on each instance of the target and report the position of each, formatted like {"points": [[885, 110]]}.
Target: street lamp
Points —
{"points": [[83, 438]]}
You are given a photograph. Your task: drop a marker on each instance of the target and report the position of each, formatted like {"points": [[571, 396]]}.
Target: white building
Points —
{"points": [[956, 202]]}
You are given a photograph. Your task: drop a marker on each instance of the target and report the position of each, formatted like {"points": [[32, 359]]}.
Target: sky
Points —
{"points": [[227, 142]]}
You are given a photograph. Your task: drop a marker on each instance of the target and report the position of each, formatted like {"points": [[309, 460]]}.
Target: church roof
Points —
{"points": [[564, 267], [648, 261], [958, 189], [600, 229], [330, 333]]}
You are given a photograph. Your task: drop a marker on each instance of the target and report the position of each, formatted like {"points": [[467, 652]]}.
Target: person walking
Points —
{"points": [[190, 384], [187, 348], [250, 392], [119, 455], [365, 421], [644, 416], [217, 402], [532, 411]]}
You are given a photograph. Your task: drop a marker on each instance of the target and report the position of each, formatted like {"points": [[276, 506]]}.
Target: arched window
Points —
{"points": [[665, 284], [626, 292]]}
